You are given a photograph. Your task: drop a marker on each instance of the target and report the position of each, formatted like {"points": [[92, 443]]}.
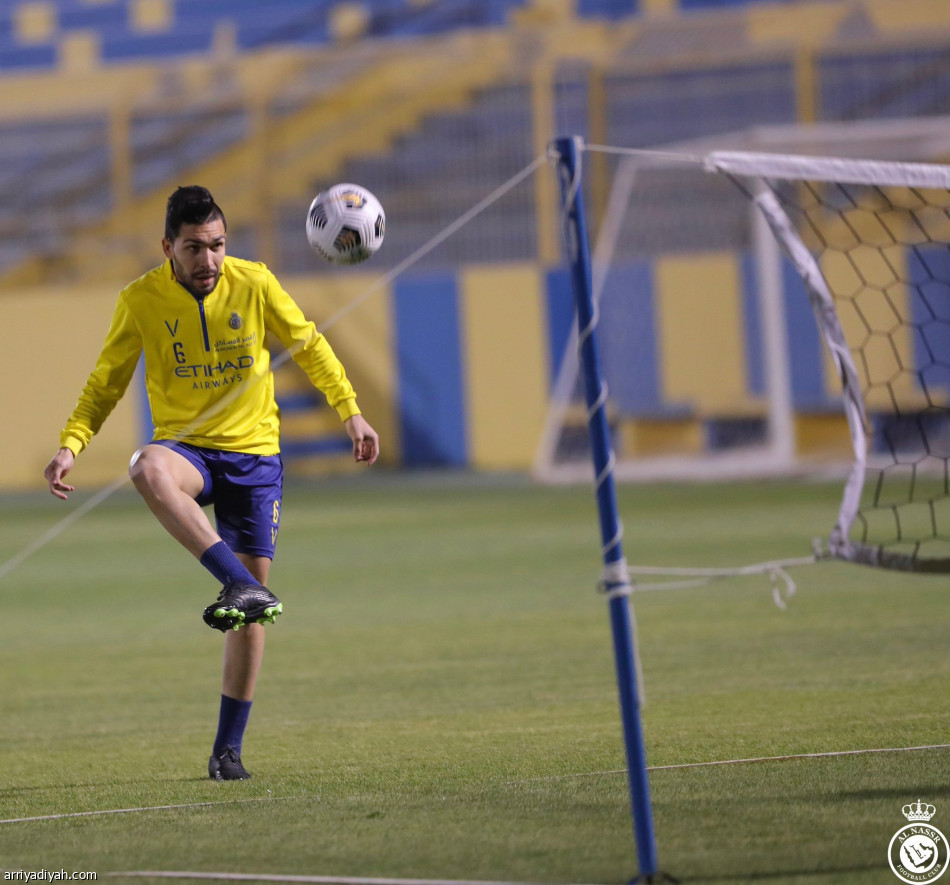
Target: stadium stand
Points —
{"points": [[696, 103], [166, 142], [31, 33], [268, 101], [45, 164], [476, 148], [885, 83], [657, 81]]}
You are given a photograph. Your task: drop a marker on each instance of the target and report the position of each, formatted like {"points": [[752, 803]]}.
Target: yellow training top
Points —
{"points": [[207, 369]]}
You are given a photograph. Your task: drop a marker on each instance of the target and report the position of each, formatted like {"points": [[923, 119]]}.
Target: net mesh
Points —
{"points": [[884, 254], [864, 304]]}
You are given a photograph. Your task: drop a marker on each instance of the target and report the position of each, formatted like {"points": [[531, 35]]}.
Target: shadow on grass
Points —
{"points": [[783, 875]]}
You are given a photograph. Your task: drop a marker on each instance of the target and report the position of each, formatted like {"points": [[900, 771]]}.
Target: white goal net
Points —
{"points": [[766, 312]]}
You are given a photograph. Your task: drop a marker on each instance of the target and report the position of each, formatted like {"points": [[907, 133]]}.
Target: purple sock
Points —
{"points": [[232, 721], [220, 560]]}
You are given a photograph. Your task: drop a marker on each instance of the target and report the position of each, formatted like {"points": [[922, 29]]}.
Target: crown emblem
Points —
{"points": [[920, 811]]}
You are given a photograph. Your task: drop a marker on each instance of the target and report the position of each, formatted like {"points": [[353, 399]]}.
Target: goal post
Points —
{"points": [[780, 291], [892, 216]]}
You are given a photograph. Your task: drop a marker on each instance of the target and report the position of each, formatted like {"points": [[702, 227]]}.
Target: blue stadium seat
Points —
{"points": [[280, 23], [906, 83], [612, 9], [441, 170], [664, 108], [929, 268], [16, 57], [572, 101], [719, 4], [119, 45], [163, 144], [394, 18], [82, 16], [54, 176]]}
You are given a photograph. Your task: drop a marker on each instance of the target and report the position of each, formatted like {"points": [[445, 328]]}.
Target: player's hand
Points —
{"points": [[365, 439], [57, 469]]}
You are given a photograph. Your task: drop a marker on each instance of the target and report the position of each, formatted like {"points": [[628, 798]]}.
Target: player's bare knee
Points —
{"points": [[146, 470]]}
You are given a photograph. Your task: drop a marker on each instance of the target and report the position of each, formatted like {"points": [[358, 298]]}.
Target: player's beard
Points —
{"points": [[189, 285]]}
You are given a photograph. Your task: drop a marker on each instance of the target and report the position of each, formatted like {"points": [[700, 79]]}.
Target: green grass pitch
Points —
{"points": [[439, 699]]}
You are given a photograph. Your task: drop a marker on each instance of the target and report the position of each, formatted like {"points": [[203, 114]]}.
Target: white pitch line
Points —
{"points": [[42, 817], [313, 880], [827, 755], [681, 765]]}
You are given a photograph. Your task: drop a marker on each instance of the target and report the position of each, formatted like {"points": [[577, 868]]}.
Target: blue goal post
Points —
{"points": [[615, 580]]}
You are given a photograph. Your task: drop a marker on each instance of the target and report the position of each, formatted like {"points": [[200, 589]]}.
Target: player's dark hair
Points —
{"points": [[190, 205]]}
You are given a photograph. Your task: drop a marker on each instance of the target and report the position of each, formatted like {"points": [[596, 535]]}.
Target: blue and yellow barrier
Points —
{"points": [[455, 367]]}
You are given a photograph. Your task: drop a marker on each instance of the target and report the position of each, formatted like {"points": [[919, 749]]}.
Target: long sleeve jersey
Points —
{"points": [[207, 367]]}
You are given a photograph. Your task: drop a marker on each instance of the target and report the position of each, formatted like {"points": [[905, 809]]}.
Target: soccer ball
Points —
{"points": [[346, 224]]}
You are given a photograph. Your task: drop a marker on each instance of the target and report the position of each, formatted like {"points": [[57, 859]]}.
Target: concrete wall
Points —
{"points": [[52, 338]]}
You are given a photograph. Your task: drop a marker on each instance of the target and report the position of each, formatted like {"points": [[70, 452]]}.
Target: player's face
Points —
{"points": [[197, 254]]}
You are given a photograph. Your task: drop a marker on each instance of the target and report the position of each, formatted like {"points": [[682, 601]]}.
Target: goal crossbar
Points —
{"points": [[832, 170]]}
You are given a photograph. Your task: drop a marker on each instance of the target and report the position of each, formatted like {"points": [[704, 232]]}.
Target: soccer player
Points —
{"points": [[200, 318]]}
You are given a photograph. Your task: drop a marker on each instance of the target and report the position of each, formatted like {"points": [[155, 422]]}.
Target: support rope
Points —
{"points": [[783, 585]]}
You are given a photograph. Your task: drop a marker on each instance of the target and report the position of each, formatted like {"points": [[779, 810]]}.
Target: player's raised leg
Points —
{"points": [[172, 485]]}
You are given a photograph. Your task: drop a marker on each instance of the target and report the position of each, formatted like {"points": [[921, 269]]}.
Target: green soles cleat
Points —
{"points": [[271, 613], [228, 613], [242, 604]]}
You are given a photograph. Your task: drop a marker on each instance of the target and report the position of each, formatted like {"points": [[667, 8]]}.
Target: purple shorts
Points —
{"points": [[245, 491]]}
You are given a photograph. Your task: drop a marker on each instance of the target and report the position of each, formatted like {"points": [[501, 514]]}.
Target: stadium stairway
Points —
{"points": [[283, 122], [285, 135]]}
